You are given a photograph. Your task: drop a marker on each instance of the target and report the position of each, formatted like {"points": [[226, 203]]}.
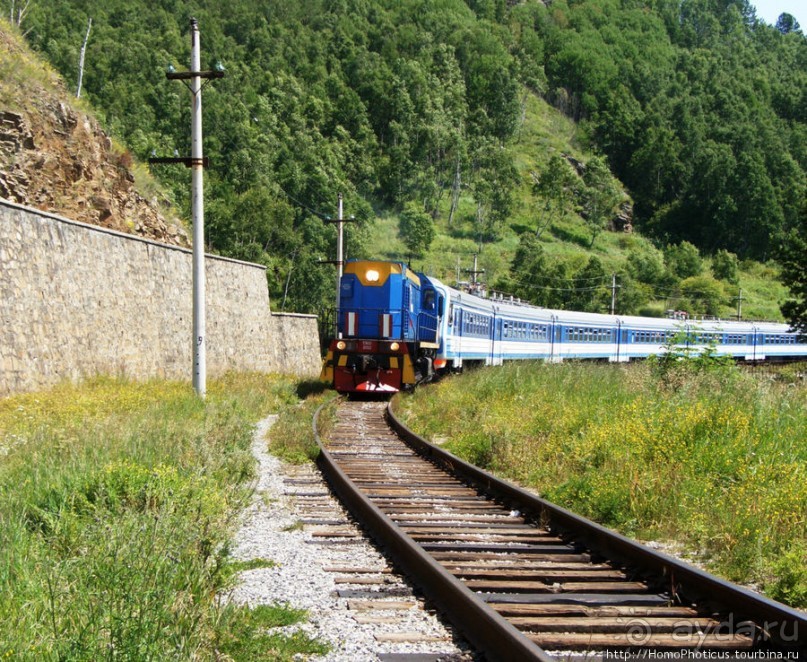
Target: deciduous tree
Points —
{"points": [[793, 256]]}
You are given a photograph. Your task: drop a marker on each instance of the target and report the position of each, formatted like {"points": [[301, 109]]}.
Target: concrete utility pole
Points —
{"points": [[197, 163], [740, 305], [475, 273], [613, 293], [198, 212], [340, 256]]}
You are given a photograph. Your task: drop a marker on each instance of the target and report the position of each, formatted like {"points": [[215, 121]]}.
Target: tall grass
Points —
{"points": [[117, 501], [712, 457], [292, 437]]}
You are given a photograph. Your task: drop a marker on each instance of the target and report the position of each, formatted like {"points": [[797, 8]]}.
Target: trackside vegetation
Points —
{"points": [[706, 456], [292, 437], [117, 502]]}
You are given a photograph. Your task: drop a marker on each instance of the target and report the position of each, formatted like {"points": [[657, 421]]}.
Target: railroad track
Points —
{"points": [[519, 576]]}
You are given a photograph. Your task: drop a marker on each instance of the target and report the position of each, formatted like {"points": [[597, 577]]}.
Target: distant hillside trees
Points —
{"points": [[493, 185], [675, 275], [386, 102], [793, 257], [786, 23], [700, 109]]}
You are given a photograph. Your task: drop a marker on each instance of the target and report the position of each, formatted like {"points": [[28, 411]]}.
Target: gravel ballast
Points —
{"points": [[320, 554]]}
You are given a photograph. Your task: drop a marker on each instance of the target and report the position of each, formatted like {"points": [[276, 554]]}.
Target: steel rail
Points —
{"points": [[784, 626], [483, 627]]}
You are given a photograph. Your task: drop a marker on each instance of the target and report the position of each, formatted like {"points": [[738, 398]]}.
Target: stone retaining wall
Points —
{"points": [[78, 300]]}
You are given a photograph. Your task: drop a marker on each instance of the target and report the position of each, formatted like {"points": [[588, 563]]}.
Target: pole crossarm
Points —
{"points": [[187, 161], [189, 75]]}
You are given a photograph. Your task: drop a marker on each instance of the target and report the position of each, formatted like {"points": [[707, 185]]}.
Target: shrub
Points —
{"points": [[416, 228], [646, 266], [725, 266], [683, 260], [704, 295], [789, 581]]}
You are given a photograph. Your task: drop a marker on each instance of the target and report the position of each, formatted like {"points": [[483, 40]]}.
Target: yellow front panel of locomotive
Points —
{"points": [[374, 274]]}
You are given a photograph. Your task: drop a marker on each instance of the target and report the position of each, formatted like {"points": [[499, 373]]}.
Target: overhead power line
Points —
{"points": [[302, 205]]}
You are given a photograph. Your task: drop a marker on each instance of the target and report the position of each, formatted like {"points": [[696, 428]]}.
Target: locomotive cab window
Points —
{"points": [[428, 300]]}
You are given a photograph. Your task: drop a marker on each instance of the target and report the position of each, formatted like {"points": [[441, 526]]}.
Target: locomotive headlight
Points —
{"points": [[341, 345], [372, 276], [394, 347]]}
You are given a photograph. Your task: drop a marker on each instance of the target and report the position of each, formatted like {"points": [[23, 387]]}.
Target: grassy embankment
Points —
{"points": [[711, 457], [117, 501]]}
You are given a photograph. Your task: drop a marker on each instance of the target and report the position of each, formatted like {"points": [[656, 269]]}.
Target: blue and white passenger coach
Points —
{"points": [[397, 328]]}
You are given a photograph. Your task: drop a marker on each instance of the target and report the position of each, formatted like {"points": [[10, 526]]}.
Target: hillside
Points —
{"points": [[54, 155], [546, 252], [518, 130]]}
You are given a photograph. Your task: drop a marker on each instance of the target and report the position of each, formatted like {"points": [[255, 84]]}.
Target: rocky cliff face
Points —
{"points": [[57, 158]]}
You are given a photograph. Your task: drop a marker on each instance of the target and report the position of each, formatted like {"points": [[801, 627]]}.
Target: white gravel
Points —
{"points": [[271, 530]]}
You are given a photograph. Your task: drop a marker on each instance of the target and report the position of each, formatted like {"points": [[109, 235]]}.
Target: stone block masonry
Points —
{"points": [[77, 300]]}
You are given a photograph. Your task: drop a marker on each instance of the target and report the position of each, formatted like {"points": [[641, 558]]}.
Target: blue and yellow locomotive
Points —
{"points": [[387, 328], [397, 328]]}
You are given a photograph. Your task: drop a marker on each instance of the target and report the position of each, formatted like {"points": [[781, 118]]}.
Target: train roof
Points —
{"points": [[530, 312]]}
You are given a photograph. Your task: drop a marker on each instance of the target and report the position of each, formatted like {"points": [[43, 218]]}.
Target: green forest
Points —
{"points": [[691, 112]]}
